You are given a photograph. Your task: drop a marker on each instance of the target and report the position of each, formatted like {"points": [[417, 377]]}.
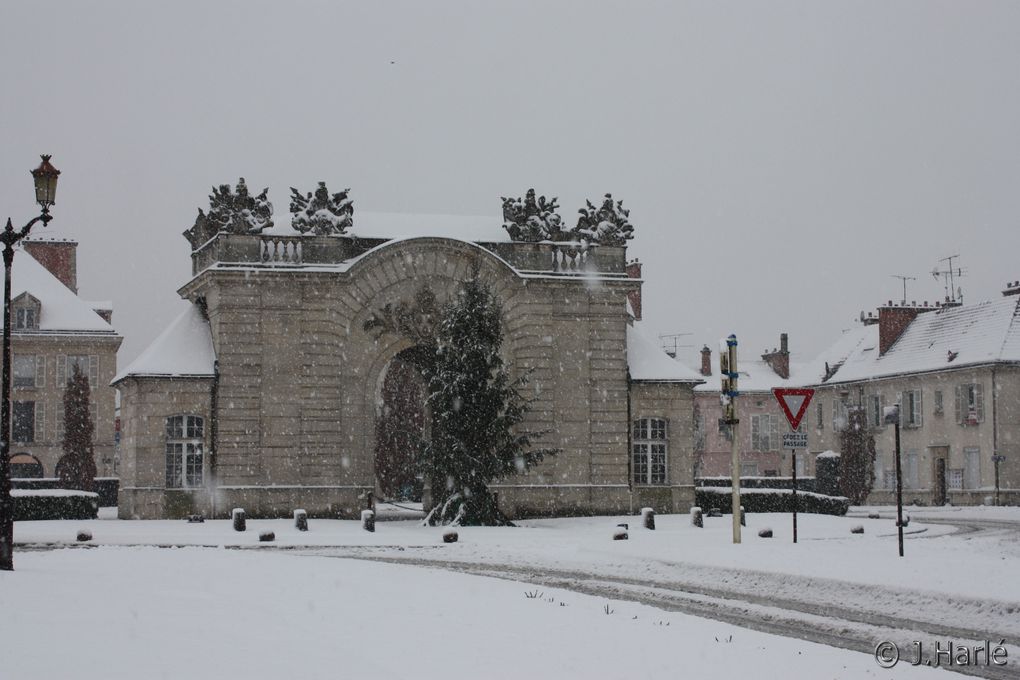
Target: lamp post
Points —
{"points": [[45, 177], [892, 416]]}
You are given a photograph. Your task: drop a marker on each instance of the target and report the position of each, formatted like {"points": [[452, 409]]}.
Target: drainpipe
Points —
{"points": [[995, 438], [214, 432], [630, 444]]}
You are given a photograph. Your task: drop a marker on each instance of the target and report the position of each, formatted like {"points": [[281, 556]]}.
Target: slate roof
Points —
{"points": [[950, 338]]}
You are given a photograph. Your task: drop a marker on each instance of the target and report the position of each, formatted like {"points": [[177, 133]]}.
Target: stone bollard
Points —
{"points": [[765, 533], [620, 534], [743, 517], [648, 518], [267, 536], [237, 514], [857, 529], [368, 520], [301, 520], [450, 536], [84, 535], [696, 519]]}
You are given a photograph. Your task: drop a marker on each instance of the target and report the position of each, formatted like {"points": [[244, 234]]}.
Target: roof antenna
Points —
{"points": [[954, 293], [904, 279], [673, 339]]}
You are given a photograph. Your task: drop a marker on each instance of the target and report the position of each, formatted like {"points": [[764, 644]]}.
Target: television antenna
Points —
{"points": [[671, 342], [904, 279], [954, 293]]}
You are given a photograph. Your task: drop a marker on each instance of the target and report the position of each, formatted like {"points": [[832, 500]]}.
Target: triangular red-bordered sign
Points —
{"points": [[794, 403]]}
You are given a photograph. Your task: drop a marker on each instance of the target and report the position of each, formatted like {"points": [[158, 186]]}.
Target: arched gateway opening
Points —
{"points": [[401, 428]]}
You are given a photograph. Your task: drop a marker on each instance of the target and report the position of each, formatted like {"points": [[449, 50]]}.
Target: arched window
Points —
{"points": [[184, 436], [650, 437]]}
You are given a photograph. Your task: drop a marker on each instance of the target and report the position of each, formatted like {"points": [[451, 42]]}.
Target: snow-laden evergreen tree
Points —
{"points": [[533, 219], [607, 225], [77, 467], [321, 213], [477, 411], [857, 457]]}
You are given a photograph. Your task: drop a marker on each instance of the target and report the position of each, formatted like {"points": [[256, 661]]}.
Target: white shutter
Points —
{"points": [[40, 370], [61, 372], [93, 370], [918, 408], [774, 434], [756, 433], [94, 408], [979, 402], [40, 421], [959, 404]]}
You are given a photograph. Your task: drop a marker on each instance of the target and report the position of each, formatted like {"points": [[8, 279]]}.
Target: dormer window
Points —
{"points": [[26, 319], [25, 311]]}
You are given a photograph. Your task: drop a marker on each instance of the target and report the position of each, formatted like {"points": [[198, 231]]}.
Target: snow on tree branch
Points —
{"points": [[322, 213], [532, 219], [607, 225]]}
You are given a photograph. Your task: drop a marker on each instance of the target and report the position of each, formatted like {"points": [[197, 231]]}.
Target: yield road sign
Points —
{"points": [[794, 403]]}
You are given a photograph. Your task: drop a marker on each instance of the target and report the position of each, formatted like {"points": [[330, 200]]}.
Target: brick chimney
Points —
{"points": [[894, 319], [59, 256], [634, 272], [779, 359], [1011, 288], [706, 361]]}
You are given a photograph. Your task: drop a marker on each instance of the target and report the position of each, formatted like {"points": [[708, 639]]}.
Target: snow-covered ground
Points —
{"points": [[210, 613], [252, 607]]}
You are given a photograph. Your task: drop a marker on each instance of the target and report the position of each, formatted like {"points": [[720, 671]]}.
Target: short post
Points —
{"points": [[743, 518], [301, 520], [368, 520], [239, 522], [648, 518], [697, 519]]}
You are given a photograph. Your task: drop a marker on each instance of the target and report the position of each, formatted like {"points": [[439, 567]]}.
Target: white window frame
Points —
{"points": [[26, 318], [22, 361], [876, 405], [185, 444], [970, 404], [650, 451], [972, 467], [764, 433], [912, 408]]}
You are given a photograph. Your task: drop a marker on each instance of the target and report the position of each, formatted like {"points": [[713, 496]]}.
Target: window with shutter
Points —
{"points": [[959, 404], [979, 402], [40, 421], [61, 372], [93, 370], [40, 370]]}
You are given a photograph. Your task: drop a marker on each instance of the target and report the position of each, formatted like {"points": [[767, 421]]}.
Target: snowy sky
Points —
{"points": [[781, 160]]}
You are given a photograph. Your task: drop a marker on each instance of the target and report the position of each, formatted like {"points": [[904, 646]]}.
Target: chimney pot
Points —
{"points": [[706, 361]]}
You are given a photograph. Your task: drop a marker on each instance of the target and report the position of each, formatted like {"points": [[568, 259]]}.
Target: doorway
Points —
{"points": [[401, 429], [939, 495]]}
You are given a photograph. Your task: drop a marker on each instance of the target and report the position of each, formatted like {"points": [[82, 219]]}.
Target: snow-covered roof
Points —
{"points": [[61, 311], [473, 228], [982, 333], [755, 376], [183, 350], [648, 362]]}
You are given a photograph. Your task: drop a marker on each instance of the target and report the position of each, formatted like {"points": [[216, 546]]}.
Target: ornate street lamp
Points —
{"points": [[45, 177]]}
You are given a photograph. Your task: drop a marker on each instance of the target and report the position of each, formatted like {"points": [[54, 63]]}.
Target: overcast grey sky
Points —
{"points": [[781, 160]]}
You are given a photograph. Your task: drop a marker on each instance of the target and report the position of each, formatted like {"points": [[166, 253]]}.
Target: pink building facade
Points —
{"points": [[762, 422]]}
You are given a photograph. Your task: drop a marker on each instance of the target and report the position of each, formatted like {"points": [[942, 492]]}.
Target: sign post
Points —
{"points": [[794, 403], [728, 396]]}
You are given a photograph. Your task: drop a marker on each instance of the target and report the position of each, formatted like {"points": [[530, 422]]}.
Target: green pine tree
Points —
{"points": [[477, 411], [77, 467]]}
